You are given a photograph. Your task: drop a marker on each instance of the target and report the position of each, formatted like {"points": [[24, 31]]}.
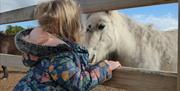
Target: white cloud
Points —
{"points": [[164, 22], [7, 5]]}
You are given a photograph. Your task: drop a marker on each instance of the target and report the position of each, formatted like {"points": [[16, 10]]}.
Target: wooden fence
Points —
{"points": [[88, 6], [132, 79]]}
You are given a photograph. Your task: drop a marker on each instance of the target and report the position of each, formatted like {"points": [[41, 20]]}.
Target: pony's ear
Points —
{"points": [[108, 12], [150, 25], [88, 15]]}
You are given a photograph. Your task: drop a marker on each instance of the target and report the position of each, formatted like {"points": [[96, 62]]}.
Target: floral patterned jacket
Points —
{"points": [[61, 68]]}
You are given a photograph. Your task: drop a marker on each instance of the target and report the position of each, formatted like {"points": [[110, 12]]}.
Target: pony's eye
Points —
{"points": [[101, 26], [89, 26]]}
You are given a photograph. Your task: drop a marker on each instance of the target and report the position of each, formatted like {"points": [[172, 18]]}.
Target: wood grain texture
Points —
{"points": [[87, 6], [134, 79]]}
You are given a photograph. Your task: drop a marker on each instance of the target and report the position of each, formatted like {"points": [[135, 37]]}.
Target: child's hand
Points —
{"points": [[32, 58], [113, 65]]}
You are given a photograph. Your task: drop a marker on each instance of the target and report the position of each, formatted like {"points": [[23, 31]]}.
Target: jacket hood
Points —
{"points": [[39, 50]]}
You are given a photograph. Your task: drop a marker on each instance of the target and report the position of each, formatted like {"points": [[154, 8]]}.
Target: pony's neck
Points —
{"points": [[126, 43]]}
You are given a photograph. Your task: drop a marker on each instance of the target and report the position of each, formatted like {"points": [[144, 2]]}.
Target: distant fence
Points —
{"points": [[132, 79]]}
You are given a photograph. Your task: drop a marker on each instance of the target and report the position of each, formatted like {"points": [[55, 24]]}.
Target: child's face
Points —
{"points": [[38, 36]]}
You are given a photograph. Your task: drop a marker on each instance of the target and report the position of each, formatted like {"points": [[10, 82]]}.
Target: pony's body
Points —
{"points": [[7, 45], [114, 36]]}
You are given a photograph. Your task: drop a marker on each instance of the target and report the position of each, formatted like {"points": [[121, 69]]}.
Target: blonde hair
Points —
{"points": [[60, 17]]}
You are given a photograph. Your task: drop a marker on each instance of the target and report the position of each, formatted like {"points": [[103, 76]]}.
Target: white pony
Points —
{"points": [[114, 36]]}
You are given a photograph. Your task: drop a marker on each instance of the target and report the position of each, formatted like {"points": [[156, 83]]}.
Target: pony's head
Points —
{"points": [[99, 34]]}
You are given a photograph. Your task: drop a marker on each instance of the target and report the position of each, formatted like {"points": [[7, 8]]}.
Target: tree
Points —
{"points": [[12, 30]]}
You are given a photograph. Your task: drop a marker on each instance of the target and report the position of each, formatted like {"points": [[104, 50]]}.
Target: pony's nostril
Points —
{"points": [[101, 26], [88, 29]]}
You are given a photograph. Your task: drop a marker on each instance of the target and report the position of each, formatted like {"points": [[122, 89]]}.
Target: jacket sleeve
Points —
{"points": [[73, 78]]}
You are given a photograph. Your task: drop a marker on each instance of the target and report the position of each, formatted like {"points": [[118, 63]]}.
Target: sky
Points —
{"points": [[164, 17]]}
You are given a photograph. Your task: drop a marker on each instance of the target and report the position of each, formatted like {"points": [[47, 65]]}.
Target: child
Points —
{"points": [[56, 61]]}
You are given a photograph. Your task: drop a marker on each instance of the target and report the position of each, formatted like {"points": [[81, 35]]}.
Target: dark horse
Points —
{"points": [[7, 46]]}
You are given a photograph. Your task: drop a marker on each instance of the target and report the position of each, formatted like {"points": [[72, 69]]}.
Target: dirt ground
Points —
{"points": [[8, 85]]}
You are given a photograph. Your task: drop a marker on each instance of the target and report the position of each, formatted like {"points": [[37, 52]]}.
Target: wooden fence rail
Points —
{"points": [[88, 6], [133, 79], [12, 61]]}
